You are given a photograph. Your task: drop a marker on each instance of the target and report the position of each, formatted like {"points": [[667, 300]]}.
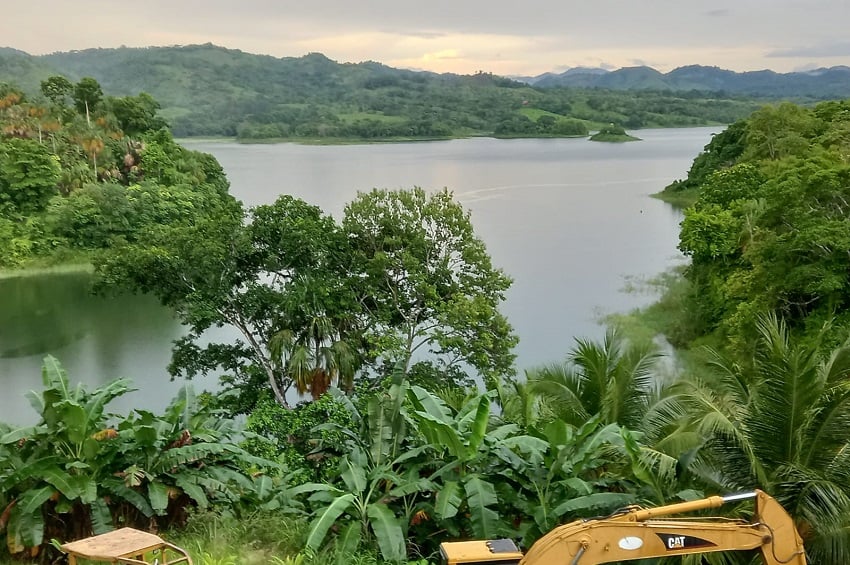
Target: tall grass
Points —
{"points": [[214, 538]]}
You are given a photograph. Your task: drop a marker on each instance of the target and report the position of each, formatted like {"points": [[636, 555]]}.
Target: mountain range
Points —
{"points": [[27, 71], [832, 82]]}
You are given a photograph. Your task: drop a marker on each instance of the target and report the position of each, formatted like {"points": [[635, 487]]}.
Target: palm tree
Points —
{"points": [[780, 423], [315, 357], [621, 382], [615, 379]]}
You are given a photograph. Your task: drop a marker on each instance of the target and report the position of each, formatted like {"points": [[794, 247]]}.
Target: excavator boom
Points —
{"points": [[639, 533]]}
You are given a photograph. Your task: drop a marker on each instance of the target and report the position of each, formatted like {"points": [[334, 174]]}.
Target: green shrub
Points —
{"points": [[288, 436]]}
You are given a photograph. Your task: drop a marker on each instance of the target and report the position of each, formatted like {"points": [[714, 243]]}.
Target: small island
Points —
{"points": [[613, 134]]}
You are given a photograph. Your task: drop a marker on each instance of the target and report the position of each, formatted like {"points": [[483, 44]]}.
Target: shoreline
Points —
{"points": [[59, 268], [389, 140]]}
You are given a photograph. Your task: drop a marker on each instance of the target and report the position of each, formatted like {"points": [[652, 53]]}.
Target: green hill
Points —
{"points": [[22, 69], [207, 90]]}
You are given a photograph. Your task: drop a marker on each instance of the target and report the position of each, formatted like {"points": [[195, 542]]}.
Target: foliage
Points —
{"points": [[458, 441], [288, 436], [767, 233], [575, 476], [80, 470], [56, 89], [315, 301], [76, 181], [87, 95], [276, 280], [373, 474], [779, 422], [136, 114], [612, 132], [429, 286], [612, 379], [721, 152], [28, 176]]}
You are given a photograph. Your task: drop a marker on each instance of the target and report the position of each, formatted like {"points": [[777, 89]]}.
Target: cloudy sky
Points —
{"points": [[501, 36]]}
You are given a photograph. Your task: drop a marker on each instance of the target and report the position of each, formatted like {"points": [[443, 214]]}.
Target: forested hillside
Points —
{"points": [[769, 229], [207, 90], [80, 172]]}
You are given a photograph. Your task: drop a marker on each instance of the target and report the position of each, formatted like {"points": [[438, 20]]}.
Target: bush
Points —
{"points": [[288, 437]]}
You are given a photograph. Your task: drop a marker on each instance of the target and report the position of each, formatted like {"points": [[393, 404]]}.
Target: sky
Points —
{"points": [[505, 37]]}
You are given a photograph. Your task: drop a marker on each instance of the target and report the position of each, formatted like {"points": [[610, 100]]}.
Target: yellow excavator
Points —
{"points": [[640, 533]]}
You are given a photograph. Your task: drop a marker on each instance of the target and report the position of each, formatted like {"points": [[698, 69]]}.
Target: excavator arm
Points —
{"points": [[639, 533]]}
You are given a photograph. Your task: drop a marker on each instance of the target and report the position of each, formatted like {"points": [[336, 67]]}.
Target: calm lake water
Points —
{"points": [[571, 221]]}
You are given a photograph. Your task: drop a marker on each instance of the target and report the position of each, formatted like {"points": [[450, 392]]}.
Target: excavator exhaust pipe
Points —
{"points": [[739, 496]]}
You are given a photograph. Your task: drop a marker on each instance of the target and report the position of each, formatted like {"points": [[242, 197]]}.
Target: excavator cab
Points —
{"points": [[490, 552]]}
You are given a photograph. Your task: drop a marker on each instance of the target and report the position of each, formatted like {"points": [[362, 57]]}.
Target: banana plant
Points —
{"points": [[61, 459], [579, 475], [379, 479], [190, 451], [81, 468], [369, 499], [473, 451]]}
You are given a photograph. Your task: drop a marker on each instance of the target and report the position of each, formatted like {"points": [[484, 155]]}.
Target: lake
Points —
{"points": [[570, 220]]}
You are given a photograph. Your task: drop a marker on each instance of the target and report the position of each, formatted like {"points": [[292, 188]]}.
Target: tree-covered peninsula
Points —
{"points": [[768, 230]]}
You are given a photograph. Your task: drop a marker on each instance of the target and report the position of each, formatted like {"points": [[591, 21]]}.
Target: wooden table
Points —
{"points": [[125, 546]]}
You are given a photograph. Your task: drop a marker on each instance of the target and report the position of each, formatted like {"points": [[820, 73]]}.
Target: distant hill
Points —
{"points": [[555, 76], [27, 71], [820, 84], [209, 90]]}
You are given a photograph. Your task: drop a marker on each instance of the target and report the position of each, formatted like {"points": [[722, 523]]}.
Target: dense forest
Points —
{"points": [[384, 320], [768, 231], [81, 171], [206, 90]]}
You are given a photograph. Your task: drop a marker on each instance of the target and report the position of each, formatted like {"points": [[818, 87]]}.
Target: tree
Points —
{"points": [[778, 422], [87, 95], [57, 89], [29, 175], [270, 279], [136, 114], [428, 285], [313, 302], [546, 123], [618, 383], [613, 379], [774, 132]]}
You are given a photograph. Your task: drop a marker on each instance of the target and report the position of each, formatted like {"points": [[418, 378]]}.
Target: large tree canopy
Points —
{"points": [[28, 175], [429, 285], [314, 301]]}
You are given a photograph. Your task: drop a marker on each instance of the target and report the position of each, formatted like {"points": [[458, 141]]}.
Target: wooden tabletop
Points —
{"points": [[118, 543]]}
